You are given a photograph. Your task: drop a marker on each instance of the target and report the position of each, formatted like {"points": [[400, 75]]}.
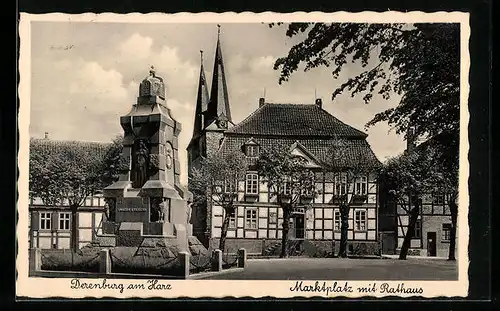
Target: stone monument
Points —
{"points": [[148, 201]]}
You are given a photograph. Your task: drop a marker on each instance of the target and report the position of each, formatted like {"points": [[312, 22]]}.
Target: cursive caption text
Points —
{"points": [[104, 284], [344, 288]]}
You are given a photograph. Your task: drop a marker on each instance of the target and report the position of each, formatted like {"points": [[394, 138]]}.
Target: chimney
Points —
{"points": [[262, 101], [46, 135], [410, 139], [319, 102]]}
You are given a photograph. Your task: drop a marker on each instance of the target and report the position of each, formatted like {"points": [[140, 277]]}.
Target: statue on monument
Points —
{"points": [[159, 208], [141, 164], [110, 209]]}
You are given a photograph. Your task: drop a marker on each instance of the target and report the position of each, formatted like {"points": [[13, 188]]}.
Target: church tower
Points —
{"points": [[195, 146], [218, 113], [212, 114], [212, 119]]}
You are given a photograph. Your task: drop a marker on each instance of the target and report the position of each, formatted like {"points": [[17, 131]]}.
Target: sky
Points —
{"points": [[86, 75]]}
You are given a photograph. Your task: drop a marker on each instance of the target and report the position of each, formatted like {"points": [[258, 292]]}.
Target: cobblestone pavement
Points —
{"points": [[344, 269]]}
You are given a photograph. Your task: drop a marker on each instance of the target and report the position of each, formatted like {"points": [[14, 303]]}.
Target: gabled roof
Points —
{"points": [[59, 145], [358, 151], [298, 149], [251, 141], [294, 120]]}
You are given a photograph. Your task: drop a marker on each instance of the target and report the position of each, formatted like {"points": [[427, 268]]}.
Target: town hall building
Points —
{"points": [[308, 130]]}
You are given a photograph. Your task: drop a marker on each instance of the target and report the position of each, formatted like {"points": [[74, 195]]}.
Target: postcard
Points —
{"points": [[243, 155]]}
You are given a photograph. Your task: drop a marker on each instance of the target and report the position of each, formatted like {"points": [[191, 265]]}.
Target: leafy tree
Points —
{"points": [[114, 163], [44, 173], [216, 181], [419, 62], [404, 190], [70, 171], [442, 175], [409, 178], [289, 180], [422, 172], [349, 166]]}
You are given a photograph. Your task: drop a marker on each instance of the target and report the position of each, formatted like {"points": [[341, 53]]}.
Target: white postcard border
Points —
{"points": [[44, 288]]}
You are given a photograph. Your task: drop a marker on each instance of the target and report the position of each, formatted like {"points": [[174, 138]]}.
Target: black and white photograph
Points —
{"points": [[316, 154]]}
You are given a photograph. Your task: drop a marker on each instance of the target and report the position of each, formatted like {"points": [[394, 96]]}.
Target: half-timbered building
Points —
{"points": [[50, 225], [308, 130]]}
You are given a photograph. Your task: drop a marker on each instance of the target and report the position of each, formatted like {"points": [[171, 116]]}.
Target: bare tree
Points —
{"points": [[408, 178], [351, 170], [216, 182], [289, 180]]}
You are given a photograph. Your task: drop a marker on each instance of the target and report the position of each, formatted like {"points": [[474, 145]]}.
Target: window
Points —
{"points": [[232, 219], [252, 184], [446, 232], [287, 188], [230, 187], [251, 219], [336, 220], [418, 230], [273, 217], [340, 184], [64, 221], [361, 186], [308, 187], [252, 151], [360, 221], [45, 221], [438, 199]]}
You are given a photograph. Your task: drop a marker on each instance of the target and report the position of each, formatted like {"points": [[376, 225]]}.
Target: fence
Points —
{"points": [[185, 265]]}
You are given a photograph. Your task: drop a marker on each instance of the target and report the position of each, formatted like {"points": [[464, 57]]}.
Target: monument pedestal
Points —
{"points": [[136, 218]]}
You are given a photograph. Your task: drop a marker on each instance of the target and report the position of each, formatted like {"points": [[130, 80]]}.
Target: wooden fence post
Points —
{"points": [[104, 261], [217, 260], [35, 263], [242, 258], [184, 263]]}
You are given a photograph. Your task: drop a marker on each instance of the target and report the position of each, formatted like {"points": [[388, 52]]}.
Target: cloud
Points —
{"points": [[80, 94], [263, 64], [96, 83], [83, 103], [135, 47]]}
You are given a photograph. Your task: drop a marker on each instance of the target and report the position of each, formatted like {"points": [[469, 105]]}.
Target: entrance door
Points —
{"points": [[431, 244], [299, 225]]}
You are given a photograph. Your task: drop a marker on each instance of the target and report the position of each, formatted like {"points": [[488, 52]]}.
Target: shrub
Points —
{"points": [[154, 261], [70, 261]]}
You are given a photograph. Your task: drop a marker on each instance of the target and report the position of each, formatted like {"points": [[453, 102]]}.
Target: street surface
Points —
{"points": [[344, 269]]}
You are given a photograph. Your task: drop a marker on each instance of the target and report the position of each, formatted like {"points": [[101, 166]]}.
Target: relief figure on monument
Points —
{"points": [[189, 211], [159, 208], [168, 155], [110, 209], [141, 163]]}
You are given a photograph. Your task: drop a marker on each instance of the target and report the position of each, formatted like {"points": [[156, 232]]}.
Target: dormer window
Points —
{"points": [[252, 151], [438, 199], [251, 148]]}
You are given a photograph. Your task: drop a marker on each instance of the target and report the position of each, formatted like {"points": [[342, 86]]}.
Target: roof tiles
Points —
{"points": [[294, 120]]}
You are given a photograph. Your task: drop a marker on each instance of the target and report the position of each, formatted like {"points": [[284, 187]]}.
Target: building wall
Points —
{"points": [[319, 219], [202, 146], [432, 218], [57, 232]]}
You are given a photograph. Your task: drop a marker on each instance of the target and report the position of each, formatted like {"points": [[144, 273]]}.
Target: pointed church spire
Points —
{"points": [[202, 101], [219, 99]]}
